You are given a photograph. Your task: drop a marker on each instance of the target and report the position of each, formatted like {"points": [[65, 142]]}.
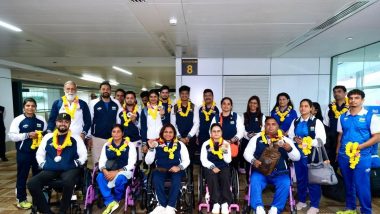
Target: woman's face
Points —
{"points": [[153, 98], [253, 105], [283, 101], [29, 108], [216, 132], [305, 108], [117, 134], [226, 105], [168, 134], [314, 111]]}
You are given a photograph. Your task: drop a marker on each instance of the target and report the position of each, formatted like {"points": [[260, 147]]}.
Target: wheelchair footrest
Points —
{"points": [[204, 206], [234, 207]]}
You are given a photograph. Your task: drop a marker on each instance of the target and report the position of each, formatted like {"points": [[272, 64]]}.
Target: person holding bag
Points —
{"points": [[304, 131]]}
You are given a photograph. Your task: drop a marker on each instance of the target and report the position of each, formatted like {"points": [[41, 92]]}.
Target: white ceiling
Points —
{"points": [[92, 35]]}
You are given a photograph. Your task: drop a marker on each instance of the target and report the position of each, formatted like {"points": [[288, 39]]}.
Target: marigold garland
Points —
{"points": [[353, 153], [121, 148], [66, 142], [282, 115], [265, 140], [36, 142], [218, 153], [306, 145], [334, 108], [179, 105], [125, 115], [171, 150], [153, 110], [73, 109], [209, 112]]}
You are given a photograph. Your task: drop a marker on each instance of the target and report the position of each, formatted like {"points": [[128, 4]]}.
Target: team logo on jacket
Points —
{"points": [[99, 108], [39, 125], [362, 119], [312, 128], [256, 119], [232, 122], [25, 126], [113, 107]]}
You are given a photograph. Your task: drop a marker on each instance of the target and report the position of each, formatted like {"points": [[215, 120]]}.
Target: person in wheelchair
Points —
{"points": [[171, 158], [60, 156], [116, 162], [215, 158], [270, 141]]}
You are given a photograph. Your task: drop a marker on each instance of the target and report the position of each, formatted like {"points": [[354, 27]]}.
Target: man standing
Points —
{"points": [[2, 135], [75, 107], [358, 130], [206, 114], [166, 103], [104, 115], [120, 96], [144, 98], [338, 107], [59, 156]]}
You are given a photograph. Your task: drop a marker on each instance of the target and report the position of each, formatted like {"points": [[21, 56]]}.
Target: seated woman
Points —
{"points": [[116, 162], [171, 158], [215, 157]]}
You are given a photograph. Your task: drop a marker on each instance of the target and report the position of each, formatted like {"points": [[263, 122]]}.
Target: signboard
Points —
{"points": [[189, 66]]}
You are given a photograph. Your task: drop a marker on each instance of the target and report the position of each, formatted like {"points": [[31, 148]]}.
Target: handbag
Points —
{"points": [[321, 172], [269, 159]]}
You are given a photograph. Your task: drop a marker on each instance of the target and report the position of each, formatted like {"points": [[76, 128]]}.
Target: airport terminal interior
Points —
{"points": [[236, 48]]}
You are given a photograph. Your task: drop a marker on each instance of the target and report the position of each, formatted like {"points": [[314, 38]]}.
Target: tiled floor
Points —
{"points": [[8, 201]]}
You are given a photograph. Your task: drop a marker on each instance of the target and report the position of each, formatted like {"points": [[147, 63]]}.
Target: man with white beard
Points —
{"points": [[75, 107]]}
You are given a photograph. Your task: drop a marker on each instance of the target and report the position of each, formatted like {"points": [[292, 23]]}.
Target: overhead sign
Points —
{"points": [[189, 66]]}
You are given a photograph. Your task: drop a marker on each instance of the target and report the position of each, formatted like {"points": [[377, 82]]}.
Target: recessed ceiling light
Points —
{"points": [[349, 38], [158, 84], [144, 89], [122, 70], [92, 78], [173, 21], [9, 26]]}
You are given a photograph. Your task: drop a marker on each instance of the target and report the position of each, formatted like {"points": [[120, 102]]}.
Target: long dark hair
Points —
{"points": [[319, 111], [283, 94], [247, 115]]}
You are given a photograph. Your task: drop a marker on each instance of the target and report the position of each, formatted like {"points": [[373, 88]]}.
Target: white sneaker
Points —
{"points": [[169, 210], [312, 210], [216, 208], [260, 210], [225, 209], [158, 210], [300, 205], [273, 210]]}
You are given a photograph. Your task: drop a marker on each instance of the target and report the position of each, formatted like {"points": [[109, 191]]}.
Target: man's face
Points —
{"points": [[184, 95], [105, 91], [70, 89], [119, 95], [339, 94], [144, 100], [208, 97], [271, 127], [355, 100], [164, 94], [130, 100], [62, 125]]}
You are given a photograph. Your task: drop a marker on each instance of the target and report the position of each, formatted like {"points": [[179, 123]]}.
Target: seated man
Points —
{"points": [[59, 156], [272, 138]]}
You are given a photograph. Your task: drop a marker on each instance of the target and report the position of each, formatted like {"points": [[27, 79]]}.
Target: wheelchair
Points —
{"points": [[291, 207], [185, 201], [203, 191], [132, 192]]}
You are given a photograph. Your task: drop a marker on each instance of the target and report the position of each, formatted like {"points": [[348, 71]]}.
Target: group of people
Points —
{"points": [[169, 135]]}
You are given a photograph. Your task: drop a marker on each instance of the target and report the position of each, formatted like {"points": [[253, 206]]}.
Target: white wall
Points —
{"points": [[299, 77], [6, 100]]}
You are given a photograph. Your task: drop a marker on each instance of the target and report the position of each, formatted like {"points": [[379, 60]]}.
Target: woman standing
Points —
{"points": [[215, 158], [26, 130], [171, 159], [283, 111], [304, 131]]}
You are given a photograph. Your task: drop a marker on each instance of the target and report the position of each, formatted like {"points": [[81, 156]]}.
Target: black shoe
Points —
{"points": [[4, 159]]}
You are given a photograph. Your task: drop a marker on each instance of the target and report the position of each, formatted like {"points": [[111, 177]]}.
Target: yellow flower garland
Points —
{"points": [[353, 153], [66, 142], [218, 153], [36, 142], [153, 110], [169, 105], [209, 112], [73, 109], [121, 148], [264, 138], [179, 105], [335, 110], [171, 150], [306, 145], [125, 116], [282, 115]]}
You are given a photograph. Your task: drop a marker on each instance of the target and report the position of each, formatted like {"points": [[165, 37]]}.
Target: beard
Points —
{"points": [[106, 95], [62, 129], [70, 97]]}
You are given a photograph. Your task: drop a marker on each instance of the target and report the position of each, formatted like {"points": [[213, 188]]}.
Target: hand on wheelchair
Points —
{"points": [[216, 170], [257, 163], [175, 169]]}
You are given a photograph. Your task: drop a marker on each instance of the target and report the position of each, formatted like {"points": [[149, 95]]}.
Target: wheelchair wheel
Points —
{"points": [[143, 199], [88, 209], [200, 185], [235, 184]]}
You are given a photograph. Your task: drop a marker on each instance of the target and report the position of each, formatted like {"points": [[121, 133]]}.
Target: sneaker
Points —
{"points": [[242, 171], [111, 207], [170, 210], [225, 209], [260, 210], [158, 210], [312, 210], [25, 205], [300, 205], [216, 208], [346, 212], [273, 210]]}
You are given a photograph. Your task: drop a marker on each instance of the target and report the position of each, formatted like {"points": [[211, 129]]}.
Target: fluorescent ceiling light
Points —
{"points": [[121, 70], [9, 26], [92, 78], [158, 84], [144, 89], [114, 82]]}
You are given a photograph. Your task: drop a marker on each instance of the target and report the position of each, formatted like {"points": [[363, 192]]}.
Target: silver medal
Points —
{"points": [[57, 158]]}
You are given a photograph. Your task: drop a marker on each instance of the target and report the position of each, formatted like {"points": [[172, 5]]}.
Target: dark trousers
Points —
{"points": [[25, 161], [159, 182], [193, 147], [36, 184], [219, 185], [2, 143]]}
